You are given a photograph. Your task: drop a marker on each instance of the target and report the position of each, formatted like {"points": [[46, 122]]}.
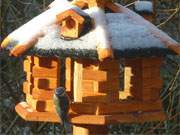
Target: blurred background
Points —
{"points": [[14, 13]]}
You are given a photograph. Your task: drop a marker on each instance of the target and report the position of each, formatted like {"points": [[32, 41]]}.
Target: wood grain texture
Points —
{"points": [[40, 105], [78, 75], [45, 72], [127, 106], [141, 76], [90, 130], [69, 75], [27, 113], [46, 61]]}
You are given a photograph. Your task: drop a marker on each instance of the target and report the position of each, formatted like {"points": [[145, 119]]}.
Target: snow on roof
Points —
{"points": [[125, 33], [143, 6], [129, 33]]}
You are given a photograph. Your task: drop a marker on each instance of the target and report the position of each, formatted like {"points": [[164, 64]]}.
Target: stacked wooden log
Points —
{"points": [[42, 78]]}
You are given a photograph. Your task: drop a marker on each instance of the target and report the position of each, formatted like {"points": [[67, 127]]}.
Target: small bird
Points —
{"points": [[61, 101]]}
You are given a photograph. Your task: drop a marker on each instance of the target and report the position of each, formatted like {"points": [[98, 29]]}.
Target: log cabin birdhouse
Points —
{"points": [[99, 96]]}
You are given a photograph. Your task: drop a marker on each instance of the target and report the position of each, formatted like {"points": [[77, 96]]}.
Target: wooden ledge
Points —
{"points": [[27, 113], [127, 106], [119, 118]]}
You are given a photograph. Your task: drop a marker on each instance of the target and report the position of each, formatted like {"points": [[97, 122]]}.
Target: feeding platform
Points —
{"points": [[94, 44]]}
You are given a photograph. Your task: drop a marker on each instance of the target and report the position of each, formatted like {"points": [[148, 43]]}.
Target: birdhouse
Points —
{"points": [[73, 22], [100, 95]]}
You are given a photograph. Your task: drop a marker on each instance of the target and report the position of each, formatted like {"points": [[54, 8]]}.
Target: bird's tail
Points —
{"points": [[67, 128]]}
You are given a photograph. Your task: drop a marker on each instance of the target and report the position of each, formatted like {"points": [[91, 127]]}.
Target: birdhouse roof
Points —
{"points": [[130, 35]]}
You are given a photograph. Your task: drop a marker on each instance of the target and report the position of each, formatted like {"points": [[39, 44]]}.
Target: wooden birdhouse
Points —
{"points": [[73, 22], [100, 93]]}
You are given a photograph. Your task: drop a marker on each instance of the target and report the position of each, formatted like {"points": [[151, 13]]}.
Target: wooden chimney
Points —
{"points": [[72, 23]]}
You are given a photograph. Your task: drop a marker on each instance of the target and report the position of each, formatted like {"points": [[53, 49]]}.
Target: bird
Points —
{"points": [[62, 102]]}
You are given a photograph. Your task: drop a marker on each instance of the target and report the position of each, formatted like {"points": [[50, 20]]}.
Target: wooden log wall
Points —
{"points": [[42, 78], [142, 78], [96, 82]]}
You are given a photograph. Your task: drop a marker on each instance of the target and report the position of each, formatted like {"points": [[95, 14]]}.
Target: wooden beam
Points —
{"points": [[119, 118], [90, 130], [26, 112], [115, 108], [78, 75], [41, 94], [27, 87], [40, 105], [48, 62], [69, 75], [45, 72], [95, 75], [27, 66]]}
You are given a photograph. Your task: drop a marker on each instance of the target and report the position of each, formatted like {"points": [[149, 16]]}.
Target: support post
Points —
{"points": [[90, 130]]}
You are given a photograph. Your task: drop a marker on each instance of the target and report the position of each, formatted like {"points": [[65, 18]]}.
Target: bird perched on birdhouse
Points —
{"points": [[61, 101]]}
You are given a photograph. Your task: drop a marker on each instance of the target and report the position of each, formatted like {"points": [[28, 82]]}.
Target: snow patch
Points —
{"points": [[143, 6]]}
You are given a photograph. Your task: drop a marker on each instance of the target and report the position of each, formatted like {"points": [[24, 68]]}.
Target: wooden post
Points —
{"points": [[90, 130], [78, 67], [69, 76]]}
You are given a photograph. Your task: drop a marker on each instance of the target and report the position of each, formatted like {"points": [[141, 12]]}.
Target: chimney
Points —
{"points": [[73, 23]]}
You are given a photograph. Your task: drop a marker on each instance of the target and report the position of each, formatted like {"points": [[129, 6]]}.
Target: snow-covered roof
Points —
{"points": [[130, 36]]}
